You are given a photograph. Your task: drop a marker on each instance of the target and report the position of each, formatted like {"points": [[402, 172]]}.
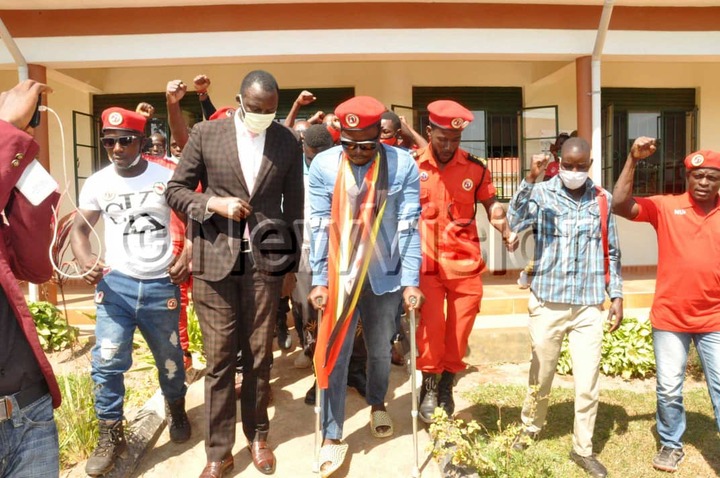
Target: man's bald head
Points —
{"points": [[576, 146]]}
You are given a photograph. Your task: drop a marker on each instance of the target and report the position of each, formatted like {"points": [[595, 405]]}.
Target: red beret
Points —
{"points": [[225, 112], [120, 118], [703, 159], [447, 114], [359, 112]]}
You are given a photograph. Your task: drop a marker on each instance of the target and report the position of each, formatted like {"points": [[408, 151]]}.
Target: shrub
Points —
{"points": [[469, 447], [75, 419], [53, 330], [628, 352]]}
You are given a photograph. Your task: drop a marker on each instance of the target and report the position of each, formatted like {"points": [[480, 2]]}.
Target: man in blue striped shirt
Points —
{"points": [[568, 288]]}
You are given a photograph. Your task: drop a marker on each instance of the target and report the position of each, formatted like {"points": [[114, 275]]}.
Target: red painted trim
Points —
{"points": [[317, 16]]}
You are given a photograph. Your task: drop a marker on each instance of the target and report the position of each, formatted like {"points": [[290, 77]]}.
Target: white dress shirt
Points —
{"points": [[250, 151]]}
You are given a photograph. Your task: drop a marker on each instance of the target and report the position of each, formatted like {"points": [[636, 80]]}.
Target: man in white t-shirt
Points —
{"points": [[135, 283]]}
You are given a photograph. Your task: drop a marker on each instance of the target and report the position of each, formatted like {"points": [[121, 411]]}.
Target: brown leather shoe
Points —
{"points": [[262, 456], [238, 385], [216, 469]]}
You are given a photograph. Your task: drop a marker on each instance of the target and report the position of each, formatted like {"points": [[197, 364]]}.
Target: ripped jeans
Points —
{"points": [[123, 304]]}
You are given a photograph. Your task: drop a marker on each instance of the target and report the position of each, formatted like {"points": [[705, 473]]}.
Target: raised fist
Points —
{"points": [[642, 148], [175, 91]]}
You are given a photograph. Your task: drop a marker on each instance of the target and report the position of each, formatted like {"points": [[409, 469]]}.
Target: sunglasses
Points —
{"points": [[363, 145], [125, 141]]}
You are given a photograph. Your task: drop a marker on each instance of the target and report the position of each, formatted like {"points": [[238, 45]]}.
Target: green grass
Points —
{"points": [[75, 419], [625, 439]]}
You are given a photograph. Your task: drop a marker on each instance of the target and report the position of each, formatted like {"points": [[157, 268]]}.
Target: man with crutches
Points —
{"points": [[365, 258], [452, 182]]}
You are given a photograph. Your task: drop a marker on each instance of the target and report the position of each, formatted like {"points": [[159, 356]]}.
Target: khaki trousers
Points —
{"points": [[549, 323]]}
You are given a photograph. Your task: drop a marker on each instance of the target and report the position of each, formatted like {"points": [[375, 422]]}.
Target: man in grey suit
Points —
{"points": [[244, 242]]}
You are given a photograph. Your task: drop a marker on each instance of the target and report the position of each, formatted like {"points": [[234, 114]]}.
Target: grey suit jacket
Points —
{"points": [[210, 159]]}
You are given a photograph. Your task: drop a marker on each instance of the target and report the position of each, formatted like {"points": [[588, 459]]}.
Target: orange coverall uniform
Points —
{"points": [[452, 259]]}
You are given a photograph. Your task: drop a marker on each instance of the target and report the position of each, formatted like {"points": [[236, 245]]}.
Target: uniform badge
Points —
{"points": [[424, 176], [109, 195], [697, 160], [458, 123], [172, 304], [467, 184], [159, 188], [352, 120], [99, 296], [115, 118]]}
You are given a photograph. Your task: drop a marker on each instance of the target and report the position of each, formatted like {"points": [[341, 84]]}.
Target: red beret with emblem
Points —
{"points": [[359, 112], [702, 159], [225, 112], [447, 114], [120, 118]]}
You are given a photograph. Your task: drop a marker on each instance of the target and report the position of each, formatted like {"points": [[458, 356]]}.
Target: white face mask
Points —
{"points": [[573, 179], [256, 122]]}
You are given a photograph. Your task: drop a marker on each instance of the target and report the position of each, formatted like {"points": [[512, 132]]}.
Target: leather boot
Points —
{"points": [[428, 397], [445, 393], [177, 420], [111, 444], [281, 329]]}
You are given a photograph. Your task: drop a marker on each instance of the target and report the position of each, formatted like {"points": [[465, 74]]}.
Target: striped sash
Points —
{"points": [[355, 220]]}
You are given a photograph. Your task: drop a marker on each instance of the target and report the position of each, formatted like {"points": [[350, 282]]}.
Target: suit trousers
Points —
{"points": [[549, 323], [237, 313]]}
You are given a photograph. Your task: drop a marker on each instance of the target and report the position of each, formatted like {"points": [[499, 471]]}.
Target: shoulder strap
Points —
{"points": [[603, 205], [477, 160]]}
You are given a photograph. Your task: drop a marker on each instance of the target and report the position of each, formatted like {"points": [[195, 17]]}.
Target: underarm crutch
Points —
{"points": [[318, 400], [413, 368]]}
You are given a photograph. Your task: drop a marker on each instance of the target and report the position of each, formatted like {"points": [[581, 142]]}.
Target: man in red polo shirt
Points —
{"points": [[452, 182], [687, 292]]}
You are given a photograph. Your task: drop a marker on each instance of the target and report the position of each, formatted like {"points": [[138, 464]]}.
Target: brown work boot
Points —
{"points": [[111, 444]]}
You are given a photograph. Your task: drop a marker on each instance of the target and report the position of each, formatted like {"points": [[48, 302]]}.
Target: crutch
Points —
{"points": [[318, 399], [413, 385]]}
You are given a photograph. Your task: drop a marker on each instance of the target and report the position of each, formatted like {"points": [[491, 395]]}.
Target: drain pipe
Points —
{"points": [[596, 89], [15, 52], [23, 74]]}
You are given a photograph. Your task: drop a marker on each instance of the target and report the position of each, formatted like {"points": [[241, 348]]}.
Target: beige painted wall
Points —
{"points": [[556, 88]]}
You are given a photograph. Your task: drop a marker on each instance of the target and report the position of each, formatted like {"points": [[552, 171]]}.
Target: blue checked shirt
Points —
{"points": [[569, 265]]}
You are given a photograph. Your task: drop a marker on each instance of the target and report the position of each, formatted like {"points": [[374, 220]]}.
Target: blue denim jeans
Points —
{"points": [[377, 313], [123, 304], [29, 442], [671, 353]]}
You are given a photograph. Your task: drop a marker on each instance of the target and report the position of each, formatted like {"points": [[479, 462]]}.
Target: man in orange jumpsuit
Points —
{"points": [[452, 182]]}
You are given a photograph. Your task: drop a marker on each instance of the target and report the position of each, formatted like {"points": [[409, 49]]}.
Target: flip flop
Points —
{"points": [[333, 454], [380, 418]]}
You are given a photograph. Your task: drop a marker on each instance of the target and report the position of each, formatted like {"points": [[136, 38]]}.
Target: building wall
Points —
{"points": [[543, 83]]}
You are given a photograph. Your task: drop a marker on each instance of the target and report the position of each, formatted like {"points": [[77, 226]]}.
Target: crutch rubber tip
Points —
{"points": [[316, 467]]}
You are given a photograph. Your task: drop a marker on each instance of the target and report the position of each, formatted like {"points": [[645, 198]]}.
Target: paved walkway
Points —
{"points": [[292, 434]]}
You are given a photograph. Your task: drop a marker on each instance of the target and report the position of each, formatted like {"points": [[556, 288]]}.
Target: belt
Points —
{"points": [[23, 398], [245, 246]]}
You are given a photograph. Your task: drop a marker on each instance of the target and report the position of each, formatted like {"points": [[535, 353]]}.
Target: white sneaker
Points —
{"points": [[523, 281], [302, 361]]}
